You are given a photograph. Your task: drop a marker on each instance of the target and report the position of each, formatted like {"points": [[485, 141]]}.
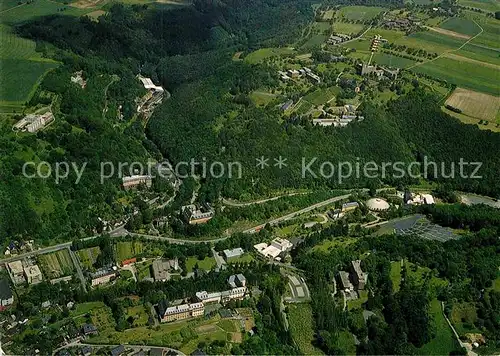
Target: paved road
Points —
{"points": [[132, 347], [233, 203]]}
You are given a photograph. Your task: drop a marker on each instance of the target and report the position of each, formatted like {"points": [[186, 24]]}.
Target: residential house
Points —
{"points": [[16, 272], [197, 215], [89, 329], [6, 297], [102, 276]]}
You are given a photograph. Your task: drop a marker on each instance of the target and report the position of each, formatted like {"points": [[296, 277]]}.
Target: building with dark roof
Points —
{"points": [[117, 351], [89, 329], [6, 297]]}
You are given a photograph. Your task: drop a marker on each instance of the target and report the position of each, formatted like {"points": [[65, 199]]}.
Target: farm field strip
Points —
{"points": [[477, 105]]}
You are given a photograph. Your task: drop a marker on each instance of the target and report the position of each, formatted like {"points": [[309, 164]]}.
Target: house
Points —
{"points": [[358, 276], [6, 297], [134, 181], [102, 276], [86, 351], [89, 329], [180, 312], [33, 274], [233, 254], [237, 280], [286, 105], [349, 206], [118, 351], [16, 272], [161, 270], [198, 352], [77, 78], [197, 215], [345, 282]]}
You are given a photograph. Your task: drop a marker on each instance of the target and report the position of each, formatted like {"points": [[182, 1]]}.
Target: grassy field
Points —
{"points": [[396, 275], [472, 121], [463, 74], [480, 53], [331, 244], [128, 249], [347, 28], [386, 59], [245, 258], [487, 5], [359, 12], [139, 314], [314, 41], [263, 53], [321, 96], [56, 264], [88, 256], [39, 8], [461, 25], [262, 98], [444, 342], [463, 316], [302, 328], [477, 105], [84, 308], [345, 342], [143, 270], [491, 29], [205, 264], [431, 41]]}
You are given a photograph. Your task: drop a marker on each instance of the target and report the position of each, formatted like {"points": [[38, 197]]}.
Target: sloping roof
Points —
{"points": [[118, 350]]}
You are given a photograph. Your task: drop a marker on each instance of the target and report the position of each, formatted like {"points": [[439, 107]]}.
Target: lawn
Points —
{"points": [[143, 270], [56, 264], [19, 76], [461, 25], [326, 245], [88, 256], [139, 314], [358, 303], [128, 249], [444, 342], [261, 98], [396, 275], [359, 12], [321, 96], [245, 258], [263, 53], [390, 60], [314, 41], [207, 264], [347, 28], [229, 325], [463, 74], [463, 316], [300, 319]]}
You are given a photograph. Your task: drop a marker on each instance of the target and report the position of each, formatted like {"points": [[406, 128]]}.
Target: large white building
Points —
{"points": [[277, 247], [34, 122], [180, 312]]}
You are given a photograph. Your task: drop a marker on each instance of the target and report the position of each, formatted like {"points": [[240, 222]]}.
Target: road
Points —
{"points": [[127, 346], [296, 213], [467, 346], [232, 203]]}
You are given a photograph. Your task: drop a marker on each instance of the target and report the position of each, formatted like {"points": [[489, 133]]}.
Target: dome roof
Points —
{"points": [[377, 204]]}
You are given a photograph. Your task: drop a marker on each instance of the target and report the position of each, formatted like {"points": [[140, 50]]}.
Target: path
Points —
{"points": [[450, 51], [233, 203], [357, 38], [127, 346], [463, 344]]}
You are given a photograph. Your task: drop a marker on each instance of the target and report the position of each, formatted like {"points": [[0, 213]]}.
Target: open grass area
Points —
{"points": [[128, 249], [139, 314], [38, 9], [143, 270], [229, 325], [463, 74], [88, 256], [444, 342], [463, 316], [56, 264], [461, 25], [432, 41], [359, 12], [262, 98], [207, 264], [263, 53], [321, 96], [358, 303], [480, 53], [389, 60], [486, 5], [84, 308], [301, 324], [347, 28], [492, 126], [396, 275], [314, 41], [19, 76], [337, 242], [345, 342], [245, 258], [477, 105]]}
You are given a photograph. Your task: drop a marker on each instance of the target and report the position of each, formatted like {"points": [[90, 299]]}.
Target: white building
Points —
{"points": [[277, 247], [136, 180], [234, 253]]}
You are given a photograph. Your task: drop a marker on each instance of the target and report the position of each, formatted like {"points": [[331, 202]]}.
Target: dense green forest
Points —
{"points": [[209, 115]]}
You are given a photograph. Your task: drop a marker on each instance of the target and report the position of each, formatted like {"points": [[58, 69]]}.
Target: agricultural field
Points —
{"points": [[314, 41], [264, 53], [444, 342], [480, 53], [347, 28], [461, 73], [322, 26], [461, 25], [39, 8], [301, 324], [88, 256], [486, 125], [491, 29], [56, 264], [431, 41], [390, 60], [477, 105], [128, 249], [206, 264], [359, 13], [486, 5]]}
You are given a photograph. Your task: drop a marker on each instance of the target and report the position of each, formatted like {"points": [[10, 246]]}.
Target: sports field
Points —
{"points": [[56, 264], [478, 105]]}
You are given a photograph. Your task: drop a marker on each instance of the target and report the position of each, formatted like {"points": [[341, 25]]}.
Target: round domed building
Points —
{"points": [[377, 204]]}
